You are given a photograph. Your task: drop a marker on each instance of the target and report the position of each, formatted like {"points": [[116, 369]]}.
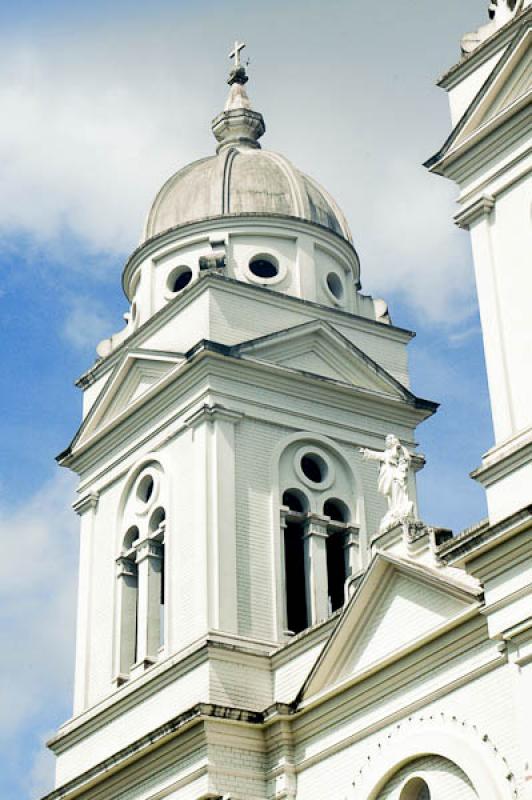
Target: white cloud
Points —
{"points": [[38, 576], [41, 775], [86, 324], [98, 116]]}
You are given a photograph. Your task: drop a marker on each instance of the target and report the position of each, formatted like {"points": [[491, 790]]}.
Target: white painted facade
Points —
{"points": [[245, 629]]}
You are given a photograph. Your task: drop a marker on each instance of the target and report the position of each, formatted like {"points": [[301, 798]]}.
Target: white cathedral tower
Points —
{"points": [[261, 613]]}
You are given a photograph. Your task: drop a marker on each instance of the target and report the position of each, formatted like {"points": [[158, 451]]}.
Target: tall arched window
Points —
{"points": [[297, 613], [157, 527], [127, 575], [337, 552], [141, 575]]}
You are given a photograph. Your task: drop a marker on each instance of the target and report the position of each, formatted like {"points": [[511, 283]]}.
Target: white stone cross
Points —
{"points": [[236, 53]]}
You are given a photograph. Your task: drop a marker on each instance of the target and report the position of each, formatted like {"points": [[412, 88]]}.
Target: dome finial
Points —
{"points": [[238, 97], [238, 124]]}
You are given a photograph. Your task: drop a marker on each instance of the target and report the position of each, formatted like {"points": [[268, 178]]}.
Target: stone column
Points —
{"points": [[351, 552], [149, 567], [315, 550]]}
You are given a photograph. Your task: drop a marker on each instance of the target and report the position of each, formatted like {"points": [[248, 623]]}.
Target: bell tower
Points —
{"points": [[488, 156], [226, 505]]}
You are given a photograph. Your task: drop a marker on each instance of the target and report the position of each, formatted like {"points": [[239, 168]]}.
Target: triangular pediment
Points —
{"points": [[506, 91], [131, 380], [508, 86], [319, 349], [396, 607]]}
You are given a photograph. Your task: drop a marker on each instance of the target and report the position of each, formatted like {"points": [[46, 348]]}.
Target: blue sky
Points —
{"points": [[100, 104]]}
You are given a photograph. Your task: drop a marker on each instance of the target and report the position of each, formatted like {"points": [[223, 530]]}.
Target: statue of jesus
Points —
{"points": [[393, 480]]}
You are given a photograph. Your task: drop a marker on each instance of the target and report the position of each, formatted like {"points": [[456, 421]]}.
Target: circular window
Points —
{"points": [[314, 468], [179, 279], [145, 489], [335, 286], [264, 267]]}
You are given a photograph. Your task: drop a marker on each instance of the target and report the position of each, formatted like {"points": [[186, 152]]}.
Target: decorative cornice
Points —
{"points": [[86, 503], [211, 413], [505, 458], [476, 540], [192, 716], [479, 209]]}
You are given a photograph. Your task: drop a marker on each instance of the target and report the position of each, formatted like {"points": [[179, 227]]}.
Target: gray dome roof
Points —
{"points": [[242, 179]]}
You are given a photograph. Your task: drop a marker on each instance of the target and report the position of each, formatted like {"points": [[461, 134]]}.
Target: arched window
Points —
{"points": [[415, 789], [319, 543], [337, 552], [295, 500], [297, 613], [157, 527], [141, 575], [128, 600]]}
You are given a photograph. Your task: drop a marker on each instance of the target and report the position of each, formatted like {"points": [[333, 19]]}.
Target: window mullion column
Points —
{"points": [[351, 552], [149, 565], [315, 552]]}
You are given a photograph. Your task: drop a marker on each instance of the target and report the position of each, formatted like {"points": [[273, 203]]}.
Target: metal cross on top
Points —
{"points": [[236, 53]]}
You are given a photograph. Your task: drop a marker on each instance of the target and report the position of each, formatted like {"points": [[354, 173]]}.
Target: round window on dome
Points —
{"points": [[179, 279], [264, 267], [335, 286]]}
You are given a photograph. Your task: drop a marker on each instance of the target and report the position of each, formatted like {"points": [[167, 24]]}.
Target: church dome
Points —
{"points": [[241, 179]]}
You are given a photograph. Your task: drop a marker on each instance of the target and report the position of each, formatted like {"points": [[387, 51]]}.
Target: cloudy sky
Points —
{"points": [[101, 102]]}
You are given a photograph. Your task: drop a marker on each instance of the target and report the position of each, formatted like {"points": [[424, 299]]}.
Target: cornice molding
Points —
{"points": [[212, 413], [475, 211], [86, 503]]}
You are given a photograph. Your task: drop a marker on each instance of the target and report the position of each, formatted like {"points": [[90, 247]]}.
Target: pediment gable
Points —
{"points": [[317, 348], [509, 85], [506, 91], [138, 373], [396, 606]]}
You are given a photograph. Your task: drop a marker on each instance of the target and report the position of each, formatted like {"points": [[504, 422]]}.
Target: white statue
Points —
{"points": [[393, 480]]}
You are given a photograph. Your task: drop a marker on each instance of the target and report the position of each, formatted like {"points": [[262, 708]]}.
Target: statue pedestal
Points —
{"points": [[412, 538]]}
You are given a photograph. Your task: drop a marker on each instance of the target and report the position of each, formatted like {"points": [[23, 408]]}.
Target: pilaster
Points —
{"points": [[86, 508], [217, 426]]}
